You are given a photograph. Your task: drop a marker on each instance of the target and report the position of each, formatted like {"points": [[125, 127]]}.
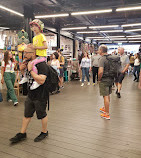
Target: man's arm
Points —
{"points": [[40, 79], [100, 73]]}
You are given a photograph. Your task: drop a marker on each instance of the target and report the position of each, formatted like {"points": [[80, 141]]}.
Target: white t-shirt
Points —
{"points": [[136, 62], [9, 67], [55, 63]]}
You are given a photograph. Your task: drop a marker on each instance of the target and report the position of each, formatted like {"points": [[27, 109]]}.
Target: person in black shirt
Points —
{"points": [[36, 99]]}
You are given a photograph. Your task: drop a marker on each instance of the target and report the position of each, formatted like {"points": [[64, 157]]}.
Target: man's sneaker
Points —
{"points": [[16, 103], [102, 115], [18, 137], [118, 95], [94, 84], [41, 137], [24, 80], [88, 83], [102, 110], [82, 84], [107, 117], [34, 85]]}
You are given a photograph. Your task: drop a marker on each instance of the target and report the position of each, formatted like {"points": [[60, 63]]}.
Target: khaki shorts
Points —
{"points": [[105, 89]]}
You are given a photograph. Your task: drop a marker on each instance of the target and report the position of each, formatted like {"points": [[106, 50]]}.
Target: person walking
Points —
{"points": [[95, 64], [86, 68], [125, 62], [36, 99], [137, 62], [62, 62], [8, 75]]}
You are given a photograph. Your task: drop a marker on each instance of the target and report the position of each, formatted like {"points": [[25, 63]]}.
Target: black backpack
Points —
{"points": [[52, 79], [114, 65]]}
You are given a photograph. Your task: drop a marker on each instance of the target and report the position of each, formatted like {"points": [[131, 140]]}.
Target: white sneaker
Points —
{"points": [[9, 100], [16, 103], [82, 84], [24, 80], [88, 83], [34, 85]]}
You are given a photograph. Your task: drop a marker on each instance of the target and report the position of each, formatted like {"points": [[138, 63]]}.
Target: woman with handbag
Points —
{"points": [[8, 75]]}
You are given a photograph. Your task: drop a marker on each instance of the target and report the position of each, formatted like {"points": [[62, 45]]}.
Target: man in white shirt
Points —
{"points": [[125, 62]]}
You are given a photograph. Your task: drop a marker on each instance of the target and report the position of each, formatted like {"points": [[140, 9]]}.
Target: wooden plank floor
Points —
{"points": [[75, 127]]}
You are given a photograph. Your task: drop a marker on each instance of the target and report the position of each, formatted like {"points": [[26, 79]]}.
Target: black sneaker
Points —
{"points": [[41, 137], [117, 91], [118, 95], [18, 137]]}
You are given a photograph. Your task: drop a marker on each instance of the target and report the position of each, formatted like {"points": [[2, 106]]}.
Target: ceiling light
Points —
{"points": [[97, 37], [89, 32], [4, 28], [98, 27], [10, 10], [134, 41], [118, 39], [112, 31], [133, 30], [100, 39], [74, 28], [116, 36], [134, 36], [92, 12], [128, 8], [127, 25], [52, 16]]}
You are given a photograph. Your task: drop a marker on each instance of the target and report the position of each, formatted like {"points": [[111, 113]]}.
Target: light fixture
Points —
{"points": [[4, 28], [105, 42], [106, 26], [92, 12], [74, 28], [128, 9], [134, 41], [52, 16], [133, 30], [118, 39], [100, 39], [97, 37], [134, 38], [116, 36], [88, 32], [128, 25], [112, 31], [11, 11]]}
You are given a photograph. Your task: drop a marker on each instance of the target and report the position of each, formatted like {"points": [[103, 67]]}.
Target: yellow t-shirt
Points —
{"points": [[38, 42]]}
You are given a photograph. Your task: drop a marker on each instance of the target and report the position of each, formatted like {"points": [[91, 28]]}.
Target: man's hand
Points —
{"points": [[30, 66], [23, 66]]}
